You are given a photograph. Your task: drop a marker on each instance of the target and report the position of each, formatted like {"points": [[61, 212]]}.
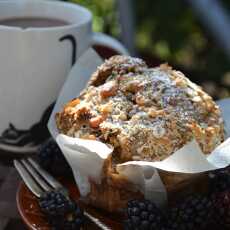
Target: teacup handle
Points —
{"points": [[73, 41], [97, 39], [106, 40]]}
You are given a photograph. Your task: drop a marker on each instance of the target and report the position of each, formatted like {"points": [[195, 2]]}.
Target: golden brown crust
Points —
{"points": [[145, 114], [118, 65]]}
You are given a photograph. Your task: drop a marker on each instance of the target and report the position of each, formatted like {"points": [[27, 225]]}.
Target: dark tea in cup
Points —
{"points": [[32, 22]]}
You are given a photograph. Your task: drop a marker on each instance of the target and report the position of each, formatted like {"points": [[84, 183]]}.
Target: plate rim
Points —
{"points": [[25, 220]]}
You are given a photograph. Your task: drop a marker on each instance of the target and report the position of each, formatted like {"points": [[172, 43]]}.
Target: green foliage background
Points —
{"points": [[169, 31]]}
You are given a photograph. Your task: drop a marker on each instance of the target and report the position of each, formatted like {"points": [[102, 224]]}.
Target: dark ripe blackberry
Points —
{"points": [[61, 212], [56, 204], [74, 220], [194, 213], [51, 158], [71, 221], [143, 215], [219, 180], [221, 202]]}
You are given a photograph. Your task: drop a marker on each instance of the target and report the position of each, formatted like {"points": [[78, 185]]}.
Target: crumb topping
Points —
{"points": [[145, 113]]}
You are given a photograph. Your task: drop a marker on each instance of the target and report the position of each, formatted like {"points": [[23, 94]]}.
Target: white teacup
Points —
{"points": [[35, 61]]}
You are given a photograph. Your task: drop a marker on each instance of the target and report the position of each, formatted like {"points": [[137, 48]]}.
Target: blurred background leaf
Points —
{"points": [[169, 31]]}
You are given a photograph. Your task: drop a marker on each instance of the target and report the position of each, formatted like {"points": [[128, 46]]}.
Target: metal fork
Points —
{"points": [[40, 181]]}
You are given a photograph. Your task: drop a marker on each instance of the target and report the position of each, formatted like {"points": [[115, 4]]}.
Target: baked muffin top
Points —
{"points": [[144, 113]]}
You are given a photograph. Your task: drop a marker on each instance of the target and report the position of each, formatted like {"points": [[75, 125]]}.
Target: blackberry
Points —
{"points": [[71, 221], [219, 180], [143, 215], [193, 213], [61, 212], [221, 202], [55, 204], [51, 158], [74, 220]]}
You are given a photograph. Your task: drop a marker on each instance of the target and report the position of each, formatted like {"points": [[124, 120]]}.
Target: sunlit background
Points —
{"points": [[173, 32]]}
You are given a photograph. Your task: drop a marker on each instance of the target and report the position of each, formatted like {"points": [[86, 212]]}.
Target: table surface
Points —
{"points": [[9, 181]]}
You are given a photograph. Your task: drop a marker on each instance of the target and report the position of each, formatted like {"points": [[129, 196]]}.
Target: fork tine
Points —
{"points": [[32, 183], [29, 181], [51, 180], [36, 176]]}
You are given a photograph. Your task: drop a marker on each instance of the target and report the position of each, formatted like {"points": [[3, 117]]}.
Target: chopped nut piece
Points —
{"points": [[154, 113], [140, 100], [106, 108], [109, 89], [73, 103], [96, 121], [133, 86], [196, 99], [88, 137]]}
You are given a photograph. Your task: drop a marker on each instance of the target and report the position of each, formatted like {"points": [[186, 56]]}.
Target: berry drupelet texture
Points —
{"points": [[144, 215], [61, 212], [74, 220], [55, 204], [71, 221], [219, 181], [221, 202], [51, 158], [194, 212]]}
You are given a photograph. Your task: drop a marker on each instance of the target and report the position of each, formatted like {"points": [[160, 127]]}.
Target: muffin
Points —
{"points": [[145, 114]]}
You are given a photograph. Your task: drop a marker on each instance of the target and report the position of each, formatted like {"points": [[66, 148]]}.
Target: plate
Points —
{"points": [[34, 219]]}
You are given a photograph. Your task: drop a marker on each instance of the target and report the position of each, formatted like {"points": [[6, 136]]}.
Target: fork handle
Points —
{"points": [[96, 221]]}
